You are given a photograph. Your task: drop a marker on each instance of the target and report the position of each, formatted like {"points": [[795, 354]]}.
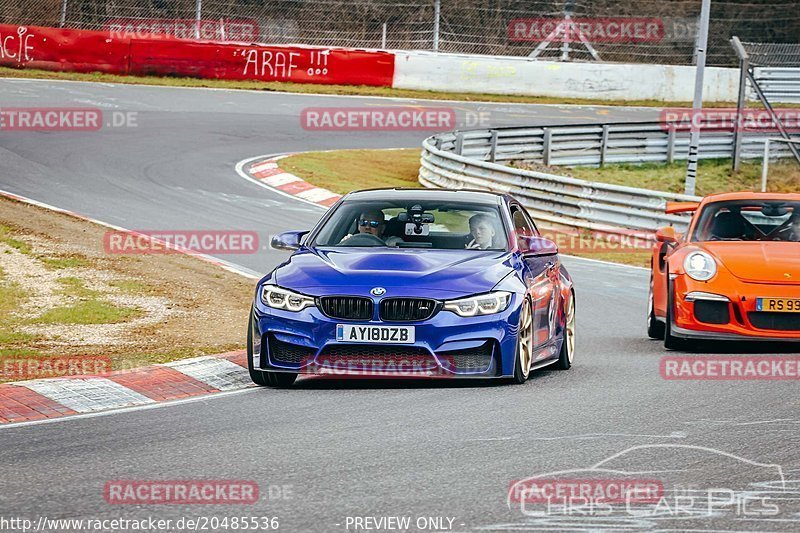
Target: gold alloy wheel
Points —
{"points": [[525, 336], [569, 331]]}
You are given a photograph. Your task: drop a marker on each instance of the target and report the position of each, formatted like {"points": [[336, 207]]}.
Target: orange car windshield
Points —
{"points": [[749, 220]]}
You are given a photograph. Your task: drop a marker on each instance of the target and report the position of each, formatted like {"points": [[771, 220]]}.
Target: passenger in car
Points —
{"points": [[793, 231], [482, 231]]}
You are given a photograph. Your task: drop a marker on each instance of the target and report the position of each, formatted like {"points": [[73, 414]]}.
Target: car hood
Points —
{"points": [[759, 262], [410, 272]]}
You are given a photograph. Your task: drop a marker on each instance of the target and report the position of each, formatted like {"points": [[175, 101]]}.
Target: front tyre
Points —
{"points": [[524, 352], [265, 379], [655, 329], [671, 342], [568, 343], [256, 376]]}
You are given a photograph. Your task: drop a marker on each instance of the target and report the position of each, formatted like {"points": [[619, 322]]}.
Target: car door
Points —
{"points": [[541, 278]]}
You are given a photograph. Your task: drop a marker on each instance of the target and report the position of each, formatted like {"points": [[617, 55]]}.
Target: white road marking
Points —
{"points": [[242, 174], [86, 395], [219, 373], [156, 405], [269, 165], [317, 194], [281, 179]]}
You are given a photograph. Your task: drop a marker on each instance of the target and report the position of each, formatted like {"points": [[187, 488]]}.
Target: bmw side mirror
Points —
{"points": [[537, 246], [289, 241]]}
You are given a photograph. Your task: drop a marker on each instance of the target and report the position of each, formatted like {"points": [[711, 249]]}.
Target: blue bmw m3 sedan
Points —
{"points": [[414, 283]]}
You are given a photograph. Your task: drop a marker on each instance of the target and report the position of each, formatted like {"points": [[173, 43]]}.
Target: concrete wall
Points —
{"points": [[605, 81]]}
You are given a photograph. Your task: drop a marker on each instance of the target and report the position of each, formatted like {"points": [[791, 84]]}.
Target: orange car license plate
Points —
{"points": [[778, 305]]}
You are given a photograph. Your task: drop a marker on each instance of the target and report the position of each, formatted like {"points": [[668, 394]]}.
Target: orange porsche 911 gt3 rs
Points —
{"points": [[734, 275]]}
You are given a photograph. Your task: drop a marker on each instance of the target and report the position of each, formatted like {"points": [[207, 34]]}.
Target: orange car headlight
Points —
{"points": [[700, 266]]}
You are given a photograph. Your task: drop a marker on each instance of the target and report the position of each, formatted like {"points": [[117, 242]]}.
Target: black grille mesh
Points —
{"points": [[286, 352], [775, 321], [477, 359], [407, 309], [347, 307]]}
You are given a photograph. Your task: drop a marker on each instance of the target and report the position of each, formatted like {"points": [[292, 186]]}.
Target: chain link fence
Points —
{"points": [[639, 31]]}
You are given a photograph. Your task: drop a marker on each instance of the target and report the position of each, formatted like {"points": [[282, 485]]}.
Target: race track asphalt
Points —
{"points": [[363, 448]]}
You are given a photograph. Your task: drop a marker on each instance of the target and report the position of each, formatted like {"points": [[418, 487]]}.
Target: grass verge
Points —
{"points": [[62, 295]]}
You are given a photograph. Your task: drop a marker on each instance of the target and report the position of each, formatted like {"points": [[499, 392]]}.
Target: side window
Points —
{"points": [[523, 227], [522, 224]]}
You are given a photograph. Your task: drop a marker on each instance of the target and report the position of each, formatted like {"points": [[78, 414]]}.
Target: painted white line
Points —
{"points": [[219, 373], [87, 395], [280, 179], [144, 407], [240, 171], [226, 265]]}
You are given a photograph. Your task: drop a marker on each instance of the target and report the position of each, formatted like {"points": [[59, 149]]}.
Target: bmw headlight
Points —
{"points": [[481, 304], [700, 266], [280, 298]]}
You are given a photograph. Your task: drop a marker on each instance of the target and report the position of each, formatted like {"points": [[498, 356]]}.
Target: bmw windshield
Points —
{"points": [[414, 224]]}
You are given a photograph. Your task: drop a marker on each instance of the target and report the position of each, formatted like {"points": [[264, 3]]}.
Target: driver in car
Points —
{"points": [[482, 231], [373, 221]]}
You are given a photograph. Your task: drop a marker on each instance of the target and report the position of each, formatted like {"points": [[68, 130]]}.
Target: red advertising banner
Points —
{"points": [[57, 49], [93, 51], [265, 63]]}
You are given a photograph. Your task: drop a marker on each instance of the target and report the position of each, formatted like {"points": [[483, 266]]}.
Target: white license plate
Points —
{"points": [[375, 334]]}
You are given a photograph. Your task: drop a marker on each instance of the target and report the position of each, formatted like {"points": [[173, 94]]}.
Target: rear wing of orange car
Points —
{"points": [[681, 207]]}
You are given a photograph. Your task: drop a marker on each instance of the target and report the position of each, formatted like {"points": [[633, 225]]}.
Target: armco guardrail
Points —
{"points": [[551, 198], [779, 84], [598, 144], [475, 159]]}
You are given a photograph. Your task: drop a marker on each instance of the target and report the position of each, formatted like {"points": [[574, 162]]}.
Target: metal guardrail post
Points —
{"points": [[460, 143], [493, 147], [765, 166], [548, 138], [437, 11], [744, 68], [671, 144], [62, 20], [604, 145], [198, 16]]}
